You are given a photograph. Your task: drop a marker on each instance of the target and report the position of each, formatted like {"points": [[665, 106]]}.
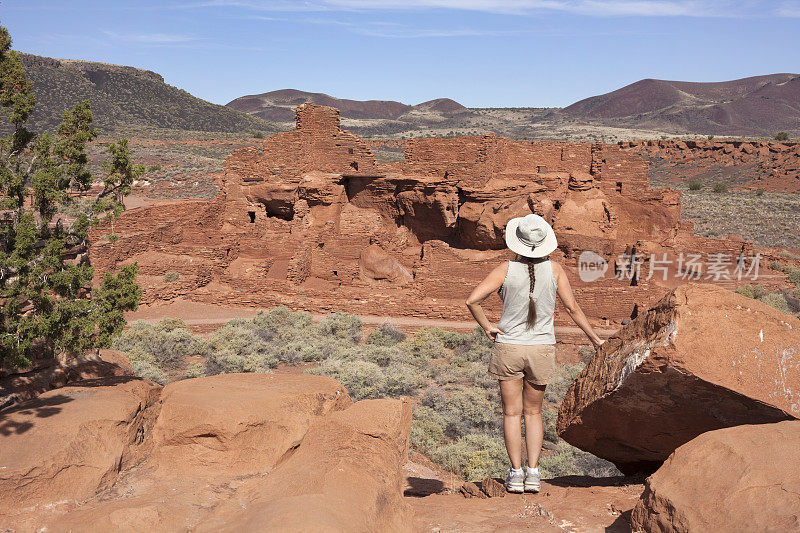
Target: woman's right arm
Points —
{"points": [[486, 287], [573, 309]]}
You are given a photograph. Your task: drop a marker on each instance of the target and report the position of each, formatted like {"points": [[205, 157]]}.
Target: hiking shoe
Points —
{"points": [[533, 481], [515, 482]]}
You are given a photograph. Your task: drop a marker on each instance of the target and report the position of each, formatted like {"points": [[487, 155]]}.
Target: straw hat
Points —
{"points": [[530, 236]]}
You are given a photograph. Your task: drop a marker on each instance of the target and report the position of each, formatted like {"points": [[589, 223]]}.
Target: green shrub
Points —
{"points": [[759, 192], [562, 379], [168, 341], [468, 410], [569, 461], [145, 366], [171, 276], [720, 187], [341, 326], [195, 370], [776, 300], [427, 429], [362, 379], [781, 136], [549, 418], [794, 276], [473, 457], [472, 347], [385, 335], [403, 380], [281, 323], [427, 344], [751, 291], [240, 346], [695, 185]]}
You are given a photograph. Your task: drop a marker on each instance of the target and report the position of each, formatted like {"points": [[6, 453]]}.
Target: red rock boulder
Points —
{"points": [[703, 358], [745, 478], [62, 447]]}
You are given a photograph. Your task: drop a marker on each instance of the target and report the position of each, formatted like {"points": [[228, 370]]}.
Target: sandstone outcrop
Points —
{"points": [[229, 452], [703, 358], [69, 443], [310, 219], [745, 478]]}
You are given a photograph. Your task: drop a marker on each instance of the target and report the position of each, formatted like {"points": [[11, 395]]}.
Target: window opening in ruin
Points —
{"points": [[252, 215], [227, 252], [354, 165], [349, 150], [336, 273], [557, 205], [282, 212], [619, 186]]}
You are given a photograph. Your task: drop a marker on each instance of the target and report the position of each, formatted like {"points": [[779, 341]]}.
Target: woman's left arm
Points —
{"points": [[486, 287]]}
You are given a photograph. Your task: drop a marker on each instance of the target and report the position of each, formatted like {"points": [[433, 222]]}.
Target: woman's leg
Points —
{"points": [[532, 396], [511, 394]]}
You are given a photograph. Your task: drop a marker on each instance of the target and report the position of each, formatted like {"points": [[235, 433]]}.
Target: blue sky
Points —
{"points": [[482, 53]]}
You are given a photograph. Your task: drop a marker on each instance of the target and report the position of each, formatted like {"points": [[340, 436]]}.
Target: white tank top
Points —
{"points": [[515, 293]]}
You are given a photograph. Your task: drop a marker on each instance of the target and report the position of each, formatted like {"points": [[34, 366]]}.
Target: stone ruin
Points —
{"points": [[311, 220]]}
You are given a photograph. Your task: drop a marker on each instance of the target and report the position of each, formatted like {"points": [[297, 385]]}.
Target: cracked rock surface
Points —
{"points": [[228, 452]]}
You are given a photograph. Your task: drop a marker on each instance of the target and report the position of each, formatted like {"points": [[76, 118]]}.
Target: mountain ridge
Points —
{"points": [[124, 96]]}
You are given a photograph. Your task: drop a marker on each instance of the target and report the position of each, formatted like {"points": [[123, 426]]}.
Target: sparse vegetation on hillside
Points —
{"points": [[457, 414], [124, 96]]}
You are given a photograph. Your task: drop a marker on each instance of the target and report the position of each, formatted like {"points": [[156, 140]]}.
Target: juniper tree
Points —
{"points": [[47, 304]]}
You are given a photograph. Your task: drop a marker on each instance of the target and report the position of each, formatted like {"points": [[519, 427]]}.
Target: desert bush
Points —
{"points": [[751, 291], [145, 366], [562, 379], [695, 185], [427, 429], [720, 187], [759, 192], [195, 369], [171, 276], [385, 335], [403, 380], [794, 276], [382, 356], [168, 341], [427, 344], [781, 136], [229, 361], [474, 457], [467, 410], [549, 418], [568, 460], [341, 326], [239, 346], [472, 347], [281, 323], [363, 379], [776, 300]]}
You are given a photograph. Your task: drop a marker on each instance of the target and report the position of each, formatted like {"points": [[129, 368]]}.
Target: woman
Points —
{"points": [[523, 358]]}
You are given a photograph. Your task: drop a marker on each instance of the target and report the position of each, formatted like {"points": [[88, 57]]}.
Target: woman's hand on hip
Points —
{"points": [[493, 331]]}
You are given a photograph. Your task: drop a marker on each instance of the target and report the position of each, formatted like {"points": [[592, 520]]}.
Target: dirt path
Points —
{"points": [[199, 314]]}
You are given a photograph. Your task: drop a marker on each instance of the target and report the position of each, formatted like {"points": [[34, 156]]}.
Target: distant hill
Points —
{"points": [[760, 105], [125, 96], [279, 106]]}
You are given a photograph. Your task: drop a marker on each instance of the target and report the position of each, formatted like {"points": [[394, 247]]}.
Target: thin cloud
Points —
{"points": [[789, 9], [599, 8], [150, 38]]}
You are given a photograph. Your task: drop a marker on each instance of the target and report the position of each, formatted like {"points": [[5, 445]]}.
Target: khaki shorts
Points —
{"points": [[535, 362]]}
